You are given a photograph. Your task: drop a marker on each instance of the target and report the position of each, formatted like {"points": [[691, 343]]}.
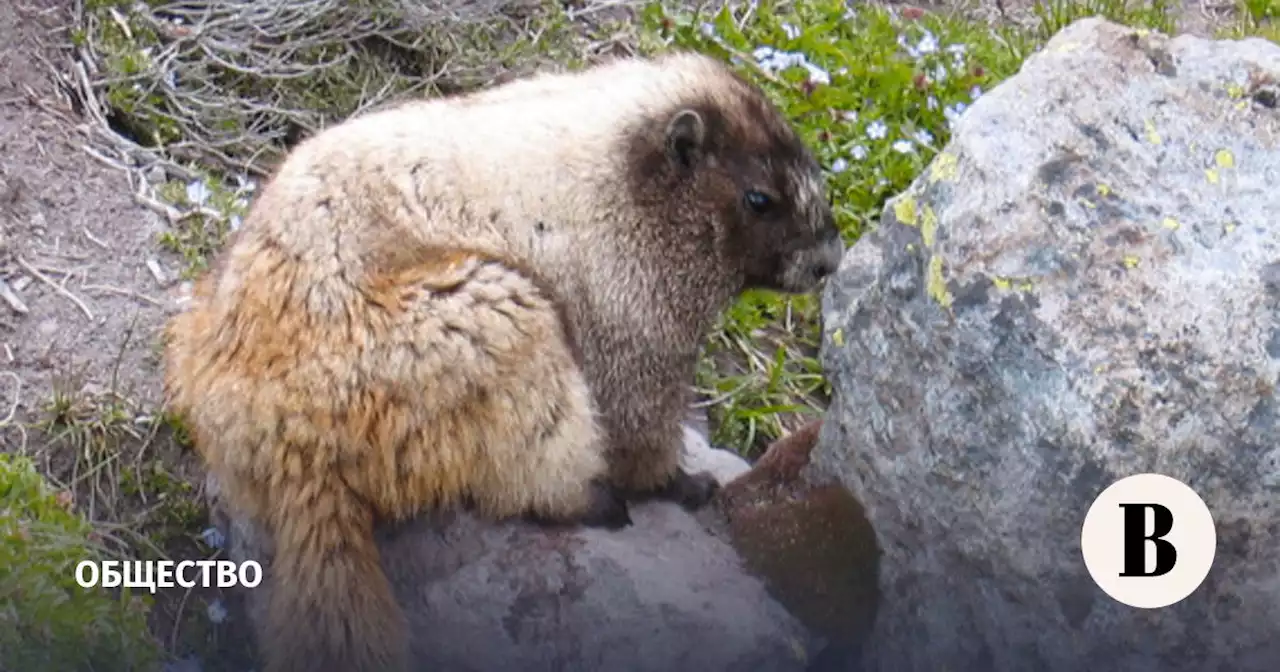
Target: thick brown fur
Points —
{"points": [[780, 466], [493, 300]]}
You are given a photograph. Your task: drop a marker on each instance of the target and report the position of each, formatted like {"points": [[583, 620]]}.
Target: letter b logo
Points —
{"points": [[1136, 539], [1148, 541]]}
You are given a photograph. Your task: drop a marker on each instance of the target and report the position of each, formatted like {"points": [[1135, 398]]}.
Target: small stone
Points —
{"points": [[10, 297], [157, 272]]}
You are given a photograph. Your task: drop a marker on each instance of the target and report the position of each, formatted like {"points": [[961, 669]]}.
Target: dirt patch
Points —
{"points": [[80, 320], [74, 247], [74, 244]]}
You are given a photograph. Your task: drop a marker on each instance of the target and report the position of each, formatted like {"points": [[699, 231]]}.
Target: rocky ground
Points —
{"points": [[86, 290]]}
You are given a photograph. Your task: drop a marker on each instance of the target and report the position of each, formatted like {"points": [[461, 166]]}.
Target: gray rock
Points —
{"points": [[664, 595], [1085, 285]]}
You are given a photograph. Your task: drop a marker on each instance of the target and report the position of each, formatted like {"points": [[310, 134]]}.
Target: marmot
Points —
{"points": [[493, 300]]}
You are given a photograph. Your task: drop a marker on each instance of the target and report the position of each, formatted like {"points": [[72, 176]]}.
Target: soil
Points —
{"points": [[74, 222], [79, 332], [79, 335]]}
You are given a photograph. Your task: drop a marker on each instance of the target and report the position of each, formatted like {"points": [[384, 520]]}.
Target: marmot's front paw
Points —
{"points": [[607, 508], [691, 491]]}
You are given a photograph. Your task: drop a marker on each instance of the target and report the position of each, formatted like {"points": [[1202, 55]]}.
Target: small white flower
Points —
{"points": [[197, 192], [850, 116], [707, 29], [923, 137], [213, 537], [791, 31], [765, 56], [940, 73], [817, 75], [975, 92], [839, 165], [931, 103], [858, 152], [952, 113], [903, 147], [216, 611], [928, 43], [773, 60], [957, 52], [877, 129], [911, 51]]}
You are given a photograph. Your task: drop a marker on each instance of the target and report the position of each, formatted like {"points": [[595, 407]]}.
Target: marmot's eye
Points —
{"points": [[759, 202]]}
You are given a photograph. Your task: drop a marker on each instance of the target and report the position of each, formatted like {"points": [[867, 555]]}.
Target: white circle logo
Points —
{"points": [[1148, 541]]}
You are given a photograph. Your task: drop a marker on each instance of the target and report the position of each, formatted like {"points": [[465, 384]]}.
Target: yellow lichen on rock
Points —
{"points": [[904, 208], [944, 167], [937, 284], [928, 226], [1153, 136]]}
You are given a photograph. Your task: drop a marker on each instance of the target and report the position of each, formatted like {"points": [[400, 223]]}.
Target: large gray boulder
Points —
{"points": [[1085, 285], [666, 594]]}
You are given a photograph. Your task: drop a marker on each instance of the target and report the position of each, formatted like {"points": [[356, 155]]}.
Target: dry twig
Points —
{"points": [[57, 287], [231, 80]]}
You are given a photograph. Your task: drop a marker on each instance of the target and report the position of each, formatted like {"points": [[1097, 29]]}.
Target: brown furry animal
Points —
{"points": [[493, 300]]}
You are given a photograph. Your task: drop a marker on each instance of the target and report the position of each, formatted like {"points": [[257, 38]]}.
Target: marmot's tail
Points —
{"points": [[331, 607]]}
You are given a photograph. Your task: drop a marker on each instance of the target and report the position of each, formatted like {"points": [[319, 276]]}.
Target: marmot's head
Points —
{"points": [[727, 166]]}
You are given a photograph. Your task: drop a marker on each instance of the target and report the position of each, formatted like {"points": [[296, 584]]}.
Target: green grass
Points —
{"points": [[1259, 18], [873, 92]]}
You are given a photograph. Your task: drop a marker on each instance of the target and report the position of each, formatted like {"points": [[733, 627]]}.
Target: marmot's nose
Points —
{"points": [[830, 256]]}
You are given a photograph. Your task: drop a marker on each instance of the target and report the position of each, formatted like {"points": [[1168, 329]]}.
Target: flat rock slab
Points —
{"points": [[1084, 285], [666, 594]]}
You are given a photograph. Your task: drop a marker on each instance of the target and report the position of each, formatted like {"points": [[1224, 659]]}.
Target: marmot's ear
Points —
{"points": [[686, 135]]}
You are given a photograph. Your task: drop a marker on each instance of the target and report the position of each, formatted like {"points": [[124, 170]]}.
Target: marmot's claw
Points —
{"points": [[608, 508], [691, 491]]}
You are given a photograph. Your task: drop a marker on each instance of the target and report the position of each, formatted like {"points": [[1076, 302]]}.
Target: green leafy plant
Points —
{"points": [[47, 620]]}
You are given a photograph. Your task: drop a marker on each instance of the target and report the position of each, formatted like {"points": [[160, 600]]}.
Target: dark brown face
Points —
{"points": [[762, 196], [780, 226]]}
